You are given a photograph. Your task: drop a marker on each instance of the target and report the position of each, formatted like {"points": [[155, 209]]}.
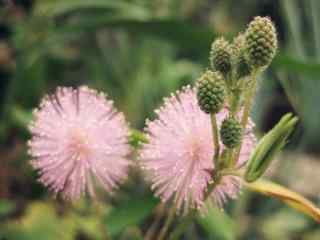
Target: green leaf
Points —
{"points": [[40, 222], [191, 38], [54, 8], [129, 213], [283, 224], [291, 64], [217, 225], [6, 207], [271, 144], [20, 117]]}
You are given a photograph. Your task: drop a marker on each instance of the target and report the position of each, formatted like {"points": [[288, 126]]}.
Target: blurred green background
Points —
{"points": [[139, 51]]}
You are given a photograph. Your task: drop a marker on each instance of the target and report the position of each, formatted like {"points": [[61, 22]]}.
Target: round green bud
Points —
{"points": [[231, 132], [261, 42], [220, 56], [210, 92], [241, 64]]}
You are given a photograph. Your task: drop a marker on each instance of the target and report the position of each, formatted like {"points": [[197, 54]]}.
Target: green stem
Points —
{"points": [[167, 223], [160, 211], [249, 99], [229, 158], [182, 226], [216, 144], [235, 102], [98, 209], [247, 109], [231, 171]]}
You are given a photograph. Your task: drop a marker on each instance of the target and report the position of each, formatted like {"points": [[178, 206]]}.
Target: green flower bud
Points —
{"points": [[261, 42], [220, 56], [269, 146], [210, 92], [241, 64], [231, 132]]}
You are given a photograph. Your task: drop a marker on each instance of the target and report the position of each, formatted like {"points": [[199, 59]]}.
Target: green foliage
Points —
{"points": [[129, 213], [42, 220], [218, 225], [52, 8], [271, 144], [283, 224], [6, 207]]}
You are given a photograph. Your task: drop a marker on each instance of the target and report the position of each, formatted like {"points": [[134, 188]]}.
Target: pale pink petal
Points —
{"points": [[78, 139], [178, 157]]}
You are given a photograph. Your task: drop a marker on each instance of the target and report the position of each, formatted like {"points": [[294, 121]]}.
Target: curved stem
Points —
{"points": [[286, 195], [167, 223]]}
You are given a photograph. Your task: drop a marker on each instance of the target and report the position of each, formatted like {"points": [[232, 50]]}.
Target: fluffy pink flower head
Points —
{"points": [[180, 152], [78, 140]]}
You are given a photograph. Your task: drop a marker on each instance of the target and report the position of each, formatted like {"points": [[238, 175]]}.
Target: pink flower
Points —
{"points": [[78, 139], [180, 151]]}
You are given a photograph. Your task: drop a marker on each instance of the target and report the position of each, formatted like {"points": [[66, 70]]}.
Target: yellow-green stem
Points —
{"points": [[216, 144], [234, 105], [247, 109], [229, 158]]}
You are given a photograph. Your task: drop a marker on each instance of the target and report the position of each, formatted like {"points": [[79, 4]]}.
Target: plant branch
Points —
{"points": [[286, 195], [247, 109], [167, 223], [216, 144]]}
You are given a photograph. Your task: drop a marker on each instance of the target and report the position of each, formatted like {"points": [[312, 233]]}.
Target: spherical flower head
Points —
{"points": [[78, 140], [178, 158], [231, 132], [210, 92], [261, 42], [220, 56]]}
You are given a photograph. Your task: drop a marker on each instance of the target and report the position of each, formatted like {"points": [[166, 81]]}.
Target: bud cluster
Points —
{"points": [[232, 79]]}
